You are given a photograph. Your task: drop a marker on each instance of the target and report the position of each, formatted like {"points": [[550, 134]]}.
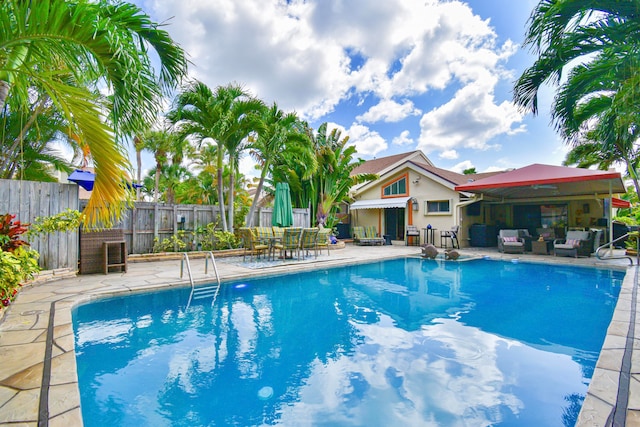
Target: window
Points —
{"points": [[396, 188], [437, 207]]}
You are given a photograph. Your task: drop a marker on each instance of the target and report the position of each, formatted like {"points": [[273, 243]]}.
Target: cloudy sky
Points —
{"points": [[394, 75]]}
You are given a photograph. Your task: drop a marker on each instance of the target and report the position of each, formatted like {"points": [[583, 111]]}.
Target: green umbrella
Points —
{"points": [[282, 210]]}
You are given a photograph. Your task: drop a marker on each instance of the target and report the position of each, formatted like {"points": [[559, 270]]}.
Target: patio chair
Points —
{"points": [[510, 242], [251, 243], [277, 231], [450, 234], [290, 242], [371, 233], [577, 243], [523, 233], [309, 241], [412, 234], [323, 240]]}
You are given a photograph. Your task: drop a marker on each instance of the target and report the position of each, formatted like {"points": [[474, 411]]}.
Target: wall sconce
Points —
{"points": [[415, 205]]}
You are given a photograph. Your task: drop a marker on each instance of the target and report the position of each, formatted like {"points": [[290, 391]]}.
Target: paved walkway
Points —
{"points": [[38, 378]]}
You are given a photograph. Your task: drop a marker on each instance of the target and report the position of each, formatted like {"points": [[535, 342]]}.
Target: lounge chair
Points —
{"points": [[412, 233], [370, 232], [450, 234], [510, 242], [360, 238], [577, 243]]}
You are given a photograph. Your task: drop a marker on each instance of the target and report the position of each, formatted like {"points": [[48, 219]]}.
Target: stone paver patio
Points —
{"points": [[38, 378]]}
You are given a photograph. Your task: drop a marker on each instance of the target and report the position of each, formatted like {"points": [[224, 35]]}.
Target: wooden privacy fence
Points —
{"points": [[300, 217], [29, 200], [148, 220]]}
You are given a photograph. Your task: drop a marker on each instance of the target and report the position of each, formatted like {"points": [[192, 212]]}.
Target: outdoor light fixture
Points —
{"points": [[414, 202]]}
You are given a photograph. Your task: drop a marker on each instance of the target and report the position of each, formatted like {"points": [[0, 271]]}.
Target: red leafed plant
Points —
{"points": [[10, 232]]}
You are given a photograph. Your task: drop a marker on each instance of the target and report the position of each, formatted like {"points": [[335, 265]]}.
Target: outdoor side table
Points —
{"points": [[121, 260], [541, 247]]}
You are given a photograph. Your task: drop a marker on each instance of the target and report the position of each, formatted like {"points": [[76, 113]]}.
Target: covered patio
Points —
{"points": [[544, 196]]}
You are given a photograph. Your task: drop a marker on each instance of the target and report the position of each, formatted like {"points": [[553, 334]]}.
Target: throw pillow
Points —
{"points": [[509, 239], [573, 242]]}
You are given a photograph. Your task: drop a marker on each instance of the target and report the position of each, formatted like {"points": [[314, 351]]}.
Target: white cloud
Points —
{"points": [[462, 166], [367, 142], [403, 138], [449, 155], [471, 119], [356, 61], [389, 111]]}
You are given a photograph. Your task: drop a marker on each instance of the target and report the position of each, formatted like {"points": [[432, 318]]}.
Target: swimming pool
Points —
{"points": [[404, 342]]}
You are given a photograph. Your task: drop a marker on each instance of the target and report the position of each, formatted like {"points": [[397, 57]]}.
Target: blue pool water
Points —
{"points": [[407, 342]]}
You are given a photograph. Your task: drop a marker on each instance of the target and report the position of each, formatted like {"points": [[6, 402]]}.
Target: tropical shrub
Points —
{"points": [[18, 262], [68, 220]]}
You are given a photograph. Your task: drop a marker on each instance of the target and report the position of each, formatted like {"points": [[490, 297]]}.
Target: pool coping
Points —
{"points": [[38, 376]]}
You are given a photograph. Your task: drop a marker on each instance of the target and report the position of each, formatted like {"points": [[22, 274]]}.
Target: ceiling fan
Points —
{"points": [[544, 187]]}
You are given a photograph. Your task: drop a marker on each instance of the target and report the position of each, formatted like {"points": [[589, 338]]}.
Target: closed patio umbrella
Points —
{"points": [[282, 210]]}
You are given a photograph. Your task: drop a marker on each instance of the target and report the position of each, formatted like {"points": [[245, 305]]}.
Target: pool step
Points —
{"points": [[205, 292]]}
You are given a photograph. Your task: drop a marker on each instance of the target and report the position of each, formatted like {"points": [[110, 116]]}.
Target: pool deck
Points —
{"points": [[38, 378]]}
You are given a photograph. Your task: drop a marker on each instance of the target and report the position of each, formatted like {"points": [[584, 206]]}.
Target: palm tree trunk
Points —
{"points": [[11, 154], [221, 204], [256, 197], [137, 143], [231, 191], [156, 190], [4, 93]]}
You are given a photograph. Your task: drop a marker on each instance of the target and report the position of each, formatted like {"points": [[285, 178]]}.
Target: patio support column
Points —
{"points": [[610, 219]]}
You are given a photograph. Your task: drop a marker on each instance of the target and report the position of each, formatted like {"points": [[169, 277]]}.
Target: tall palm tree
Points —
{"points": [[276, 133], [562, 31], [597, 103], [225, 116], [67, 49]]}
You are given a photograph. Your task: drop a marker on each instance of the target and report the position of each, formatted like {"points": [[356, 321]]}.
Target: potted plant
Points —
{"points": [[631, 244]]}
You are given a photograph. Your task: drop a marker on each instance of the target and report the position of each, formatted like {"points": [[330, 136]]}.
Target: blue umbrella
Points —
{"points": [[84, 179], [282, 210]]}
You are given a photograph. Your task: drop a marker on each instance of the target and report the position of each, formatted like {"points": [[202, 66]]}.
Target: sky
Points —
{"points": [[393, 75]]}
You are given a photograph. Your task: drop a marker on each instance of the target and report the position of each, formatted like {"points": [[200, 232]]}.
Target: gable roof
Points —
{"points": [[379, 166], [418, 161]]}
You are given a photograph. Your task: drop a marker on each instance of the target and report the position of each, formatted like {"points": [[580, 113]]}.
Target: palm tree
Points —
{"points": [[226, 116], [277, 133], [562, 31], [66, 49], [597, 103], [333, 180]]}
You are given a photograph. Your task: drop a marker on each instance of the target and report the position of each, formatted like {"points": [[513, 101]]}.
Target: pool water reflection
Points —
{"points": [[404, 342]]}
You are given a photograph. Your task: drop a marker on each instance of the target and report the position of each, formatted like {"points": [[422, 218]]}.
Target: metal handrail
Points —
{"points": [[609, 244], [208, 255], [205, 291], [185, 259]]}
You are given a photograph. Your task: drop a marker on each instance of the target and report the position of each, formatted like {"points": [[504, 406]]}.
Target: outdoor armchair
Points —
{"points": [[577, 243], [509, 241]]}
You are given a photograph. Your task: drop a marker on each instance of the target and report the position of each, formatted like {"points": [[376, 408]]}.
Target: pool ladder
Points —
{"points": [[210, 291], [609, 245]]}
